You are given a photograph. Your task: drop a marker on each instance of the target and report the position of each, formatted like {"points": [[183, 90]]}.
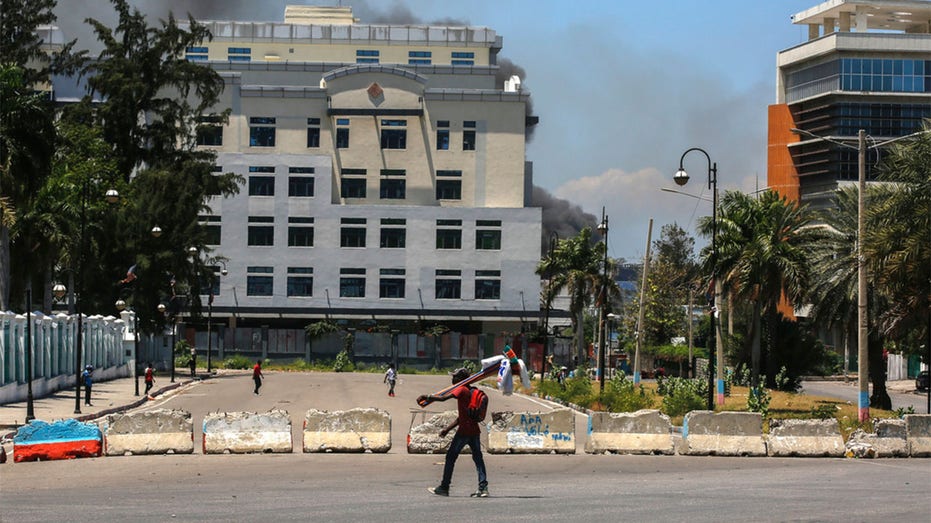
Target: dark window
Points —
{"points": [[261, 169], [394, 138], [300, 186], [463, 62], [342, 138], [239, 50], [261, 132], [442, 139], [352, 237], [392, 189], [313, 132], [462, 54], [213, 235], [366, 60], [391, 288], [448, 289], [209, 132], [393, 238], [367, 52], [352, 188], [300, 236], [419, 54], [449, 189], [487, 289], [261, 235], [468, 140], [448, 238], [259, 285], [196, 50], [352, 286], [487, 239], [261, 186], [300, 286]]}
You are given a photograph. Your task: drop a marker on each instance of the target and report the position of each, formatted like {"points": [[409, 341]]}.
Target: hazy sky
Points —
{"points": [[622, 89]]}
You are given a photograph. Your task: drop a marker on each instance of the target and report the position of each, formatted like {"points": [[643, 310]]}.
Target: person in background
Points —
{"points": [[257, 376], [193, 361], [88, 381], [149, 378], [391, 376]]}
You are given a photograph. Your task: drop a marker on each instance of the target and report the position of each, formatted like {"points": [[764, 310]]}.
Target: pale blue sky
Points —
{"points": [[622, 89]]}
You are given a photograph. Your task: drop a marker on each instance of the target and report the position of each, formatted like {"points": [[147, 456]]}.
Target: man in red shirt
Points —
{"points": [[149, 378], [257, 376], [467, 433]]}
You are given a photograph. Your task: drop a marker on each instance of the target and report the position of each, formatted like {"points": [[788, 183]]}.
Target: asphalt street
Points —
{"points": [[392, 486], [902, 394]]}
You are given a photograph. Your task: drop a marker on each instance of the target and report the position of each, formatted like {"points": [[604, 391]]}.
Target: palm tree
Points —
{"points": [[762, 256]]}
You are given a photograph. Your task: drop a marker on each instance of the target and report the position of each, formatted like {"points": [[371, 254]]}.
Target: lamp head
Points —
{"points": [[161, 308], [156, 231], [224, 272], [120, 305], [59, 290], [192, 251], [112, 196], [681, 177]]}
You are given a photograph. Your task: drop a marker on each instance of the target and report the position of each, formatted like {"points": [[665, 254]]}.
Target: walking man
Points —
{"points": [[193, 361], [390, 378], [86, 375], [467, 433], [257, 376], [149, 378]]}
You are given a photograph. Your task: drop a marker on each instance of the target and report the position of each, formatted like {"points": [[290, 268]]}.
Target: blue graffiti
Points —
{"points": [[532, 425]]}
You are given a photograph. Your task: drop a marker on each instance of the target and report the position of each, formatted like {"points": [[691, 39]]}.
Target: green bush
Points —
{"points": [[237, 361], [681, 395], [758, 400], [343, 363], [182, 354], [622, 395]]}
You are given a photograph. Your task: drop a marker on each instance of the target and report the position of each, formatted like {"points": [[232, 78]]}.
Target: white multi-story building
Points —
{"points": [[385, 175]]}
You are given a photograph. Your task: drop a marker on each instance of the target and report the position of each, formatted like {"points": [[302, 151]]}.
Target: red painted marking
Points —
{"points": [[54, 451]]}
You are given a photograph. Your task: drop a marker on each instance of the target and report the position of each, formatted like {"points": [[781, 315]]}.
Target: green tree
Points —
{"points": [[672, 271], [762, 256]]}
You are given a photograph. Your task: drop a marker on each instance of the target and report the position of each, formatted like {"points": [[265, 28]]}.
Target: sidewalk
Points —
{"points": [[106, 398]]}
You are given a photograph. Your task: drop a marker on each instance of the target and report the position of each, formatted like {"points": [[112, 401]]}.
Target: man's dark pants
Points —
{"points": [[459, 442]]}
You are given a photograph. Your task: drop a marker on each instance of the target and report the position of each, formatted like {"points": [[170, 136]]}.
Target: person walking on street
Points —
{"points": [[149, 378], [88, 381], [257, 376], [467, 433], [193, 361], [390, 378]]}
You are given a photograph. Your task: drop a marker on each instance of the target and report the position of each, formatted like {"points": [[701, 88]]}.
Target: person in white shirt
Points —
{"points": [[391, 377]]}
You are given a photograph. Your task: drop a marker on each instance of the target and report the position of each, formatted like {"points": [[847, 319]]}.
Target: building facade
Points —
{"points": [[384, 175], [866, 65]]}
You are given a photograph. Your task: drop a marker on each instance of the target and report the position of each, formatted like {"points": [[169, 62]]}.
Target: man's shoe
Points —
{"points": [[439, 491], [480, 493]]}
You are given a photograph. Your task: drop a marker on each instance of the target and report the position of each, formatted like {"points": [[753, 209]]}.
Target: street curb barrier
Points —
{"points": [[161, 431], [641, 432], [805, 437], [424, 438], [532, 432], [63, 439], [247, 432], [888, 440], [354, 430], [706, 433], [918, 434]]}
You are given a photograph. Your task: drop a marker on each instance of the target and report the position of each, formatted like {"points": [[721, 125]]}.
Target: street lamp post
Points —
{"points": [[603, 229], [681, 178], [548, 297], [30, 408]]}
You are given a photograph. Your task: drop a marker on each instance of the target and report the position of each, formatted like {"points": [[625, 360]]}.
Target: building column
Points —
{"points": [[860, 19]]}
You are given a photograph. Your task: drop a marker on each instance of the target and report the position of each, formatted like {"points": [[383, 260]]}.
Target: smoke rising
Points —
{"points": [[560, 217]]}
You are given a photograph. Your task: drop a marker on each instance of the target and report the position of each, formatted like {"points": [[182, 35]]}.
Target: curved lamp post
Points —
{"points": [[681, 178], [603, 229]]}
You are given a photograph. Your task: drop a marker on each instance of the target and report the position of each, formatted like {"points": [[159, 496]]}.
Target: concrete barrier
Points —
{"points": [[424, 437], [641, 432], [64, 439], [805, 437], [246, 432], [705, 433], [161, 431], [886, 441], [918, 435], [355, 430], [532, 432]]}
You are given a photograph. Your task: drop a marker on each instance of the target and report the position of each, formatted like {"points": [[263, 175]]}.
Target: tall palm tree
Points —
{"points": [[762, 256]]}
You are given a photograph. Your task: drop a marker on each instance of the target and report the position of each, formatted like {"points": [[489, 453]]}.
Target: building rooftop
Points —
{"points": [[909, 16]]}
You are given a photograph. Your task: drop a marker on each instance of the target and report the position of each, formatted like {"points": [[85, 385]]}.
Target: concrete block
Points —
{"points": [[918, 435], [723, 434], [247, 432], [641, 432], [886, 441], [63, 439], [424, 438], [160, 431], [355, 430], [532, 432], [805, 437]]}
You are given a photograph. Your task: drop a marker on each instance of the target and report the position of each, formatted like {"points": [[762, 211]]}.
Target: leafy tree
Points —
{"points": [[672, 271], [762, 256]]}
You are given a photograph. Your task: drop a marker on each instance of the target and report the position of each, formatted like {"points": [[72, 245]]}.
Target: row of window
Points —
{"points": [[861, 74], [353, 233], [392, 186], [391, 283], [262, 133], [363, 56]]}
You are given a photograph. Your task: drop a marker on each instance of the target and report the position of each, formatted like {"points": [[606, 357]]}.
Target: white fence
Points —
{"points": [[104, 345]]}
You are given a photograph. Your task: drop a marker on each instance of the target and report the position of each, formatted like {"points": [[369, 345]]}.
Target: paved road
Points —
{"points": [[903, 394]]}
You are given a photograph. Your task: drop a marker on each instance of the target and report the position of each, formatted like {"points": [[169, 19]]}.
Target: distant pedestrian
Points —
{"points": [[193, 361], [390, 378], [257, 376], [88, 381], [467, 433], [149, 378]]}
